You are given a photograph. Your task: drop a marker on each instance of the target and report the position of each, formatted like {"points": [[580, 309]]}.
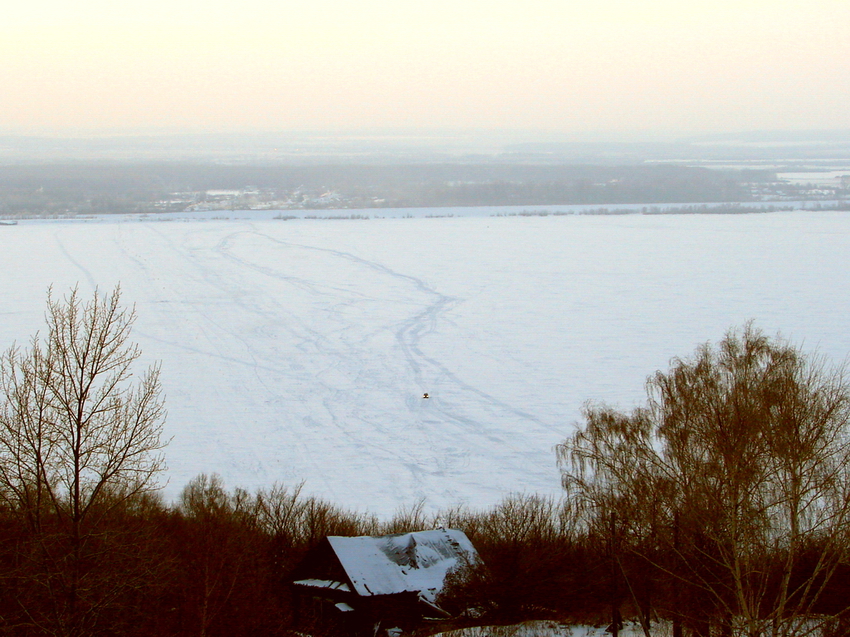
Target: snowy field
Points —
{"points": [[554, 629], [300, 350]]}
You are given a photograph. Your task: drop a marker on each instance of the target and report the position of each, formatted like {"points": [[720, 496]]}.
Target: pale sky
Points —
{"points": [[645, 66]]}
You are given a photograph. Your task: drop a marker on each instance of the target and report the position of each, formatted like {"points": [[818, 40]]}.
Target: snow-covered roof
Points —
{"points": [[410, 562], [324, 583]]}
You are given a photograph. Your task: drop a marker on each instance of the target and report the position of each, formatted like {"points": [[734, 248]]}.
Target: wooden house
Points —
{"points": [[384, 585]]}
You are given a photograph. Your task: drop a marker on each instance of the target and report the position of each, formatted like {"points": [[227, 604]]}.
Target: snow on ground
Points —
{"points": [[300, 350], [553, 629]]}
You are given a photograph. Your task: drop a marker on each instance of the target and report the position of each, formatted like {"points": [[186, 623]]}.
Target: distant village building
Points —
{"points": [[377, 585]]}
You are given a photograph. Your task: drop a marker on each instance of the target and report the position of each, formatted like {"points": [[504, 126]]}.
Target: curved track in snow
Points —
{"points": [[299, 351]]}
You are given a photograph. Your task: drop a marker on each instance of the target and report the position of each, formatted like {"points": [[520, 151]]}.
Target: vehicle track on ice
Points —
{"points": [[409, 333]]}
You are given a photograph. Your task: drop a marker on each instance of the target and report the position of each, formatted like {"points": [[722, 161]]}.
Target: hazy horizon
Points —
{"points": [[762, 148], [619, 70], [430, 134]]}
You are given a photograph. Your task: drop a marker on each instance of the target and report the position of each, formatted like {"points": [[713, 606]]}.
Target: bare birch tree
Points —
{"points": [[79, 437], [733, 482]]}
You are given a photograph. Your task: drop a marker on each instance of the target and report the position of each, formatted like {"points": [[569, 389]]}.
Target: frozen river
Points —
{"points": [[300, 350]]}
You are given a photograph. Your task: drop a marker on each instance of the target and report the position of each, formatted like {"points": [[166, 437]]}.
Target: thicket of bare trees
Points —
{"points": [[723, 503]]}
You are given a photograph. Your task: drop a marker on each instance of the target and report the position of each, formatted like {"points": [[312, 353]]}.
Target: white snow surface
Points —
{"points": [[300, 350], [554, 629]]}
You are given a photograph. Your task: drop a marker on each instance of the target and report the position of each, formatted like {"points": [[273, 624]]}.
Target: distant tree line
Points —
{"points": [[720, 507], [103, 188]]}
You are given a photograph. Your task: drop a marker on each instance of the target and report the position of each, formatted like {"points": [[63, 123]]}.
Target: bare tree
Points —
{"points": [[79, 438], [218, 551], [733, 482]]}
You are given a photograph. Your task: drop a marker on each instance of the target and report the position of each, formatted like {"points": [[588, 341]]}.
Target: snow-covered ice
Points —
{"points": [[300, 350]]}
